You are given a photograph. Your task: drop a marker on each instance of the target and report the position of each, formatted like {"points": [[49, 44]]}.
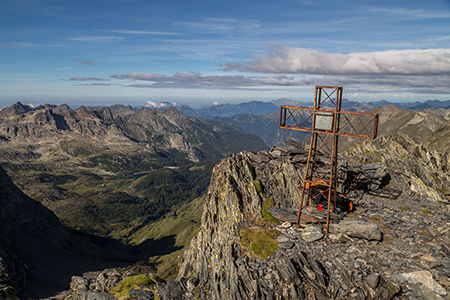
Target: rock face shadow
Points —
{"points": [[162, 246], [40, 255], [50, 263]]}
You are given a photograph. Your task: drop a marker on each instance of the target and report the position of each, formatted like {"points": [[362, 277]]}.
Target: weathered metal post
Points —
{"points": [[323, 120]]}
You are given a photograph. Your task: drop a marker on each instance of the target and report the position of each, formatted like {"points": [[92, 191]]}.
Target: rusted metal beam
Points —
{"points": [[319, 121], [371, 119]]}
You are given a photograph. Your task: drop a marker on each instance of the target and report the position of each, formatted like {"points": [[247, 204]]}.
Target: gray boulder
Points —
{"points": [[312, 233], [357, 229]]}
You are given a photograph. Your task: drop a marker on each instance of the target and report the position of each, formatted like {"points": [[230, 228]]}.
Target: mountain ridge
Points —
{"points": [[80, 163], [261, 108]]}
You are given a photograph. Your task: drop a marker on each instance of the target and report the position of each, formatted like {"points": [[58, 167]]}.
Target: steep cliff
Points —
{"points": [[235, 201]]}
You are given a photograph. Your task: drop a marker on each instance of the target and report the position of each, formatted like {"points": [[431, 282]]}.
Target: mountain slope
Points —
{"points": [[440, 139], [39, 256], [265, 126], [229, 110], [84, 164]]}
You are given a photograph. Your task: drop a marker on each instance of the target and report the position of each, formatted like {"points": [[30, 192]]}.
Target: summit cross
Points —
{"points": [[326, 122]]}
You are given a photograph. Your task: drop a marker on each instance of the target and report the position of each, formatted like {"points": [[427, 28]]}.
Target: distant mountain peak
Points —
{"points": [[17, 109]]}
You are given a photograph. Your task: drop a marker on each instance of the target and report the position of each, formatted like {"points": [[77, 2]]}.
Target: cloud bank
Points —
{"points": [[198, 80], [80, 78], [288, 60], [393, 71], [361, 84]]}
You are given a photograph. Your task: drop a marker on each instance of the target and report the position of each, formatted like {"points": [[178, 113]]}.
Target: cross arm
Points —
{"points": [[343, 123]]}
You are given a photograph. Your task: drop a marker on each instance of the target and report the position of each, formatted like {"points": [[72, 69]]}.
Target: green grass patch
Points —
{"points": [[427, 211], [260, 242], [257, 186], [404, 208], [133, 282], [267, 215]]}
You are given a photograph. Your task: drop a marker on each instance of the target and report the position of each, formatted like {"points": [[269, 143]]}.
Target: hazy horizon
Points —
{"points": [[192, 104]]}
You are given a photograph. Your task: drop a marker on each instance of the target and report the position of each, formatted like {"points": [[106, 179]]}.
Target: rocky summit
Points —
{"points": [[393, 245]]}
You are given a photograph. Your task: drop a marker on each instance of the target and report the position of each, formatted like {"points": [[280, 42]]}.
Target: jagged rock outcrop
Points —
{"points": [[423, 171], [240, 185]]}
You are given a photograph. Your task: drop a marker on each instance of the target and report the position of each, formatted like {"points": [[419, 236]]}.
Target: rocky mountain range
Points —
{"points": [[255, 107], [114, 166], [196, 139], [419, 125], [262, 118], [56, 153]]}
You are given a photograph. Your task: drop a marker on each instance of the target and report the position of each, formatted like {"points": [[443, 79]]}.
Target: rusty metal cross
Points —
{"points": [[326, 122]]}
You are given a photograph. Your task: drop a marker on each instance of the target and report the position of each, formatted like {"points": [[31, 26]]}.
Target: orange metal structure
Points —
{"points": [[326, 122]]}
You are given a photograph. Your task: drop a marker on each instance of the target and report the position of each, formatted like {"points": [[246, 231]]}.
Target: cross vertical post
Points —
{"points": [[323, 121]]}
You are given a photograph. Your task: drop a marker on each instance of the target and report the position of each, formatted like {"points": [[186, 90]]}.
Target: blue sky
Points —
{"points": [[203, 52]]}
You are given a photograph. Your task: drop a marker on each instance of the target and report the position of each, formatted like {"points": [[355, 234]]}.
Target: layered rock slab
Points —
{"points": [[216, 257]]}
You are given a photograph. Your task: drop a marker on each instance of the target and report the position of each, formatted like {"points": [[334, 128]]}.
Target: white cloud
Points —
{"points": [[412, 13], [96, 38], [156, 104], [198, 80], [140, 76], [86, 62], [96, 84], [160, 104], [437, 84], [141, 32], [80, 78], [288, 60], [223, 24]]}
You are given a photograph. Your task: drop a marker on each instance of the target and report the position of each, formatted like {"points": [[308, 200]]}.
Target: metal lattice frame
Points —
{"points": [[324, 122]]}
